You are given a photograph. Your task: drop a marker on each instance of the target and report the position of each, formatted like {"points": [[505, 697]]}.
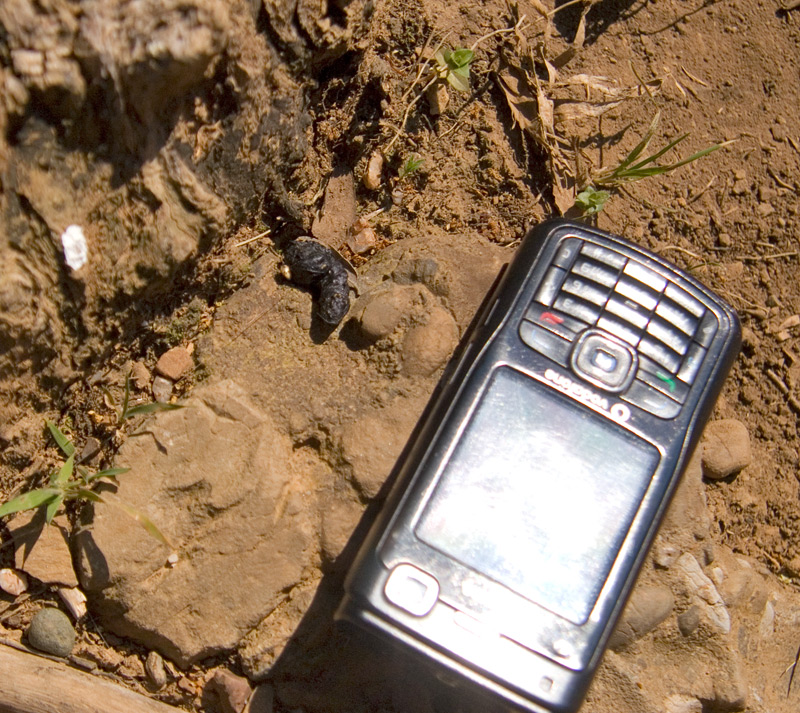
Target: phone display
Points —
{"points": [[534, 485], [541, 511]]}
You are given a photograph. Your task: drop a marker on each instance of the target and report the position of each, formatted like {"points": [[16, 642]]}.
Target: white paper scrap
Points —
{"points": [[75, 251]]}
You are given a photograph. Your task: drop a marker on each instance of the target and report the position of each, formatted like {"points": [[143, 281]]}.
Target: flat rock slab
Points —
{"points": [[42, 550], [217, 479]]}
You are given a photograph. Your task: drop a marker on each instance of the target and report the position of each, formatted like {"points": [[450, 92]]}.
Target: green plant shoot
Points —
{"points": [[632, 168], [411, 164], [591, 201], [453, 66], [74, 482]]}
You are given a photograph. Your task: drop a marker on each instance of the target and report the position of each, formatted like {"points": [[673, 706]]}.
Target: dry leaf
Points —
{"points": [[521, 102], [572, 110]]}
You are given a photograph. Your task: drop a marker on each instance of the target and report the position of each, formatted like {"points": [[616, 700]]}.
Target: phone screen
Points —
{"points": [[538, 494]]}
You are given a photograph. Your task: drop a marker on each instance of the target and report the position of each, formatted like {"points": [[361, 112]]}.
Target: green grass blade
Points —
{"points": [[63, 442], [64, 473], [642, 145], [695, 156], [131, 511], [52, 508], [143, 409], [107, 473], [658, 154], [28, 501], [126, 398]]}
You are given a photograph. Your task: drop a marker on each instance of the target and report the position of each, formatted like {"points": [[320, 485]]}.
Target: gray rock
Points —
{"points": [[155, 670], [726, 448], [51, 631], [646, 609], [689, 621], [217, 479], [427, 347], [162, 389]]}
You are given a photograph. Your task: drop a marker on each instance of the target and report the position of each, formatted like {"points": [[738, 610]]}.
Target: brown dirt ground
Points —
{"points": [[728, 71]]}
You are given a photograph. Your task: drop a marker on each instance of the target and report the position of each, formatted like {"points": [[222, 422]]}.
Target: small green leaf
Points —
{"points": [[591, 201], [52, 508], [459, 79], [28, 501], [63, 442], [460, 59], [151, 408], [65, 473]]}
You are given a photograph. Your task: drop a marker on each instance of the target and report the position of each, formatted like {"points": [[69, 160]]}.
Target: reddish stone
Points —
{"points": [[174, 363]]}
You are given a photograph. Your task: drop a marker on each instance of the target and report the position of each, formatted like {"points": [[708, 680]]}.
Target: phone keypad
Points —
{"points": [[591, 286]]}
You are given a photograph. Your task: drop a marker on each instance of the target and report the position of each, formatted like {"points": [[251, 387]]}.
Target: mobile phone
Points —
{"points": [[534, 486]]}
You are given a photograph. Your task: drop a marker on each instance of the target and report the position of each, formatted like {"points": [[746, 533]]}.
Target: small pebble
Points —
{"points": [[50, 631], [664, 555], [689, 620], [778, 132], [174, 363], [91, 450], [162, 389], [646, 609], [232, 691], [363, 241], [372, 176], [140, 375], [154, 668], [13, 582], [75, 600], [726, 448]]}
